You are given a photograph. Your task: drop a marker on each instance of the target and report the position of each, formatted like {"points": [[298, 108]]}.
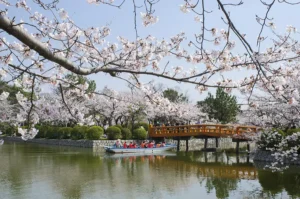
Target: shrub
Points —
{"points": [[53, 132], [94, 133], [281, 132], [79, 132], [65, 132], [291, 131], [140, 134], [126, 133], [42, 131], [12, 130], [143, 124], [7, 129], [113, 133], [119, 126]]}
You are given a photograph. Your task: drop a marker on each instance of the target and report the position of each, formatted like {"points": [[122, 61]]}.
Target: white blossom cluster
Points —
{"points": [[283, 148]]}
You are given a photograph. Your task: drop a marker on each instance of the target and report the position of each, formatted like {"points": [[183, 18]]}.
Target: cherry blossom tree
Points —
{"points": [[6, 109], [46, 45]]}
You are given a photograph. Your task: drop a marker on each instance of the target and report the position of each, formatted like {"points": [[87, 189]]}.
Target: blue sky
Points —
{"points": [[171, 22]]}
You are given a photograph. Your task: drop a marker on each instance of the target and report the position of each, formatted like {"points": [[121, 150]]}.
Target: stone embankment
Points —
{"points": [[97, 144], [194, 144], [266, 156]]}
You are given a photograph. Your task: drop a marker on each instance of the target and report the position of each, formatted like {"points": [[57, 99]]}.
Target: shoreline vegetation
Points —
{"points": [[136, 132]]}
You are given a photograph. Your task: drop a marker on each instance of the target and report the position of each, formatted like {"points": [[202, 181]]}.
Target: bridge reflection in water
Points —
{"points": [[216, 165], [222, 174]]}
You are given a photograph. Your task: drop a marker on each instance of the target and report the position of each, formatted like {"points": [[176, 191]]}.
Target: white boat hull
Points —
{"points": [[138, 150]]}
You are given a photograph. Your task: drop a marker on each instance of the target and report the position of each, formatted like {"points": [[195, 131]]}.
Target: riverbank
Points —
{"points": [[194, 144], [266, 156]]}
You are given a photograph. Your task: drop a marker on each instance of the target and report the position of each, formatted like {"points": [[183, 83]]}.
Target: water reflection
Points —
{"points": [[29, 171]]}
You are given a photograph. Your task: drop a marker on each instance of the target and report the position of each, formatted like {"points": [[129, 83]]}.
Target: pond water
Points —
{"points": [[39, 171]]}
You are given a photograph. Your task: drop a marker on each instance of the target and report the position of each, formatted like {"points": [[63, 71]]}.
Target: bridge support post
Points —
{"points": [[237, 148], [217, 142], [205, 143], [248, 147], [178, 144], [186, 145]]}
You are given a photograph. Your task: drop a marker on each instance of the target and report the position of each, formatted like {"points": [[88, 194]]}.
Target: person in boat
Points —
{"points": [[130, 145], [151, 144], [143, 144], [163, 144], [134, 145], [158, 145], [118, 143], [125, 145], [146, 144]]}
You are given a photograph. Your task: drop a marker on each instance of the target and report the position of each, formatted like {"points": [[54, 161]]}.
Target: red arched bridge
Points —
{"points": [[205, 131]]}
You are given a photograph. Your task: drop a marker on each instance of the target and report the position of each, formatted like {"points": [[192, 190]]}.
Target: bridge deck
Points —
{"points": [[213, 130]]}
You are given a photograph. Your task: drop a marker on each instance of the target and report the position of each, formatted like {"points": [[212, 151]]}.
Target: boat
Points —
{"points": [[135, 155], [113, 149]]}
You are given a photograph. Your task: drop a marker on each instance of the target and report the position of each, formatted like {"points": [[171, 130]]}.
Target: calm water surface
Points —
{"points": [[38, 171]]}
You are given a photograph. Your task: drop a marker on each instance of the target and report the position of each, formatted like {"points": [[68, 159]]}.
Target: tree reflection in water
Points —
{"points": [[26, 171], [274, 183]]}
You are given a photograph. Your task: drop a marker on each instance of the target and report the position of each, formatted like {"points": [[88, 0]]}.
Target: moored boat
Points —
{"points": [[139, 150]]}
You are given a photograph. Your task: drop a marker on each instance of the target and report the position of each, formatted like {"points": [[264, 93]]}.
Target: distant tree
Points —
{"points": [[223, 107], [12, 90], [174, 96], [79, 79]]}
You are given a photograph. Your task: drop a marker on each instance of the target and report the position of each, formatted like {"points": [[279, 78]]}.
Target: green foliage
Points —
{"points": [[174, 96], [291, 131], [126, 133], [281, 132], [94, 133], [119, 126], [79, 132], [140, 134], [143, 124], [223, 107], [13, 90], [42, 131], [53, 133], [113, 133], [65, 132], [7, 129], [79, 79]]}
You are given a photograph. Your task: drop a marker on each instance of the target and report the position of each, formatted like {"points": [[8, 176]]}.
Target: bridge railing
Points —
{"points": [[217, 130]]}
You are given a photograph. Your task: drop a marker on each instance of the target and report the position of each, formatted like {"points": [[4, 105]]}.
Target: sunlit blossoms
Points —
{"points": [[148, 19], [184, 8], [27, 134]]}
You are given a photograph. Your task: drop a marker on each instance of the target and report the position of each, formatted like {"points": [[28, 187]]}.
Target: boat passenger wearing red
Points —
{"points": [[130, 145], [134, 145], [150, 145]]}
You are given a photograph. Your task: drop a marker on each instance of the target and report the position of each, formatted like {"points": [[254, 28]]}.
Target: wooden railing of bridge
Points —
{"points": [[213, 130]]}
